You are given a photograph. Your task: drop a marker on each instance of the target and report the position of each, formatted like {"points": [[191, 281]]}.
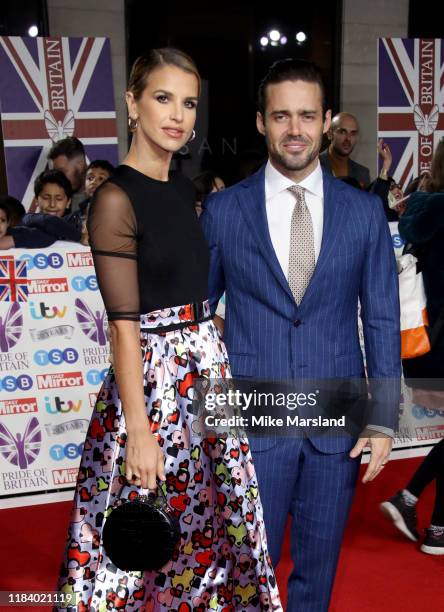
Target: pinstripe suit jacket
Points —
{"points": [[267, 334]]}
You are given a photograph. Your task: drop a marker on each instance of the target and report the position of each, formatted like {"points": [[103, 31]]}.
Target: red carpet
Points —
{"points": [[379, 570]]}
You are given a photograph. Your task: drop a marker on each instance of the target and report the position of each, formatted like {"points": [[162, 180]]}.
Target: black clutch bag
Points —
{"points": [[141, 534]]}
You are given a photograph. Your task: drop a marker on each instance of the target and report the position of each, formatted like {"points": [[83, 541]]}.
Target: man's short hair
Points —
{"points": [[290, 69], [102, 163], [70, 146], [54, 177]]}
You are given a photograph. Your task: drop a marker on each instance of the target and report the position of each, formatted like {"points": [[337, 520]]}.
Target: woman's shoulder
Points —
{"points": [[110, 195]]}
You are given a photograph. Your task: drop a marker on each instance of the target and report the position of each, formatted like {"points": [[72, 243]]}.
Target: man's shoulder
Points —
{"points": [[356, 164], [359, 171]]}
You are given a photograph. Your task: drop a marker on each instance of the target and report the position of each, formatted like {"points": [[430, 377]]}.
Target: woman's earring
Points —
{"points": [[132, 124], [193, 136]]}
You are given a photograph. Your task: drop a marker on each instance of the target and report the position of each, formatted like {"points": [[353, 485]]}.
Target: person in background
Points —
{"points": [[205, 183], [418, 183], [97, 173], [68, 156], [422, 226], [385, 185], [397, 200], [4, 219], [53, 194], [401, 508], [16, 210], [343, 136]]}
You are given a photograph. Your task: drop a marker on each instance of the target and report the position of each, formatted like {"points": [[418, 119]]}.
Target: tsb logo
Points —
{"points": [[56, 356], [11, 383], [42, 261], [84, 283], [398, 242], [70, 451], [95, 377]]}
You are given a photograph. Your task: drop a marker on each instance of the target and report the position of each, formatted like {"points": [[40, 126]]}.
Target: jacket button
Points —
{"points": [[297, 322]]}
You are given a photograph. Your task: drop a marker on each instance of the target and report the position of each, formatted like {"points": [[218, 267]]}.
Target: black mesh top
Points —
{"points": [[148, 248]]}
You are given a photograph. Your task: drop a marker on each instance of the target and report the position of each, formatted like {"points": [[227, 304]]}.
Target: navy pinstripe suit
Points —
{"points": [[268, 336]]}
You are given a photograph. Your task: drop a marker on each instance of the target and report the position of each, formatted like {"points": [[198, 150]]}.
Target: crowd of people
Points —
{"points": [[269, 244], [62, 194]]}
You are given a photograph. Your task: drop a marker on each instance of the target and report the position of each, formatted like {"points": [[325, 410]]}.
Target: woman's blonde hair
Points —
{"points": [[157, 58]]}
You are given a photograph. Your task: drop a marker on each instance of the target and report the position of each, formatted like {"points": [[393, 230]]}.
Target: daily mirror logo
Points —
{"points": [[79, 260], [65, 476], [47, 285], [60, 381], [18, 406]]}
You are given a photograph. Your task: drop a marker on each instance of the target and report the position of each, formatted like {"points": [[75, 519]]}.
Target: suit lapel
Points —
{"points": [[252, 203], [333, 222]]}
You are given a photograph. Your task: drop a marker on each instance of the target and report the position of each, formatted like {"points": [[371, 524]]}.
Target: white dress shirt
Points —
{"points": [[280, 203]]}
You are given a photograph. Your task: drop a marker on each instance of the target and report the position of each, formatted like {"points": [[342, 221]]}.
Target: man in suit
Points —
{"points": [[343, 135], [294, 249]]}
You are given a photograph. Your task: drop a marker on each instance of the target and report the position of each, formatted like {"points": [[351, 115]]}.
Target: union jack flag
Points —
{"points": [[410, 102], [51, 88], [13, 280]]}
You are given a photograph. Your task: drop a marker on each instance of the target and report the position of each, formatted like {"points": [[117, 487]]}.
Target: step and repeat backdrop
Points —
{"points": [[54, 355]]}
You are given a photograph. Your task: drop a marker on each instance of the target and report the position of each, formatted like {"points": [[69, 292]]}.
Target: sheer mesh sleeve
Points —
{"points": [[112, 229]]}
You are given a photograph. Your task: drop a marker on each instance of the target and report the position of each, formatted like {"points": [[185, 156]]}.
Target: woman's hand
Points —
{"points": [[386, 156], [144, 459]]}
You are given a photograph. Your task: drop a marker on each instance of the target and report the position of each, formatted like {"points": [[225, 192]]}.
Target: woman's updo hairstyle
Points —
{"points": [[157, 58]]}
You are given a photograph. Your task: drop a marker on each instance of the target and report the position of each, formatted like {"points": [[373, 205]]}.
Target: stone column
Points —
{"points": [[363, 23]]}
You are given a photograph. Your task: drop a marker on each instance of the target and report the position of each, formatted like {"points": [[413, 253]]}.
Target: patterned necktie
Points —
{"points": [[301, 263]]}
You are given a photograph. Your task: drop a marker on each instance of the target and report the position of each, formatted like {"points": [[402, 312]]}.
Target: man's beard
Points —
{"points": [[78, 182], [342, 153], [295, 162]]}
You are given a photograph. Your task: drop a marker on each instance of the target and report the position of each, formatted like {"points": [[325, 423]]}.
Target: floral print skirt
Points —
{"points": [[221, 562]]}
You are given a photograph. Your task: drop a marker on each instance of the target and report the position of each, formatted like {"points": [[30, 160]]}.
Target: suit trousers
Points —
{"points": [[316, 489]]}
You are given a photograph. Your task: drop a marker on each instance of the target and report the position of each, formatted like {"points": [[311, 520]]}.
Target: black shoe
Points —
{"points": [[434, 542], [402, 516]]}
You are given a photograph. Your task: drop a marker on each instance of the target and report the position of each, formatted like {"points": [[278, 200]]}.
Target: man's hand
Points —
{"points": [[381, 446]]}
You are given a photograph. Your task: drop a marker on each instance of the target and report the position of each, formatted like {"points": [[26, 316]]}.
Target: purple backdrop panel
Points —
{"points": [[51, 88], [410, 102]]}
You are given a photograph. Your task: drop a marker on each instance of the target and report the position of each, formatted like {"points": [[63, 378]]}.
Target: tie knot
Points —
{"points": [[298, 192]]}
